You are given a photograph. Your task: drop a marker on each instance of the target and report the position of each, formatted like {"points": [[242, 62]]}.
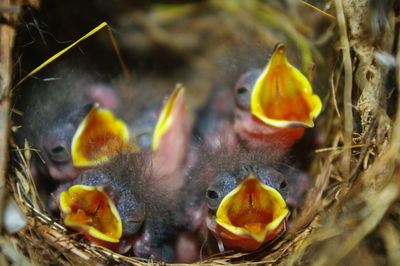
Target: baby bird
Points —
{"points": [[170, 143], [267, 110], [274, 105], [106, 204], [118, 206], [157, 190], [241, 196], [249, 206], [169, 152], [55, 110]]}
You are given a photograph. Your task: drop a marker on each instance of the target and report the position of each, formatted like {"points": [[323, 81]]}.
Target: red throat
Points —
{"points": [[244, 242], [257, 134]]}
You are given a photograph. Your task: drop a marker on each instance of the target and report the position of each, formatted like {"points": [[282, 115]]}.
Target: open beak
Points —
{"points": [[282, 95], [170, 112], [251, 214], [90, 211], [99, 137]]}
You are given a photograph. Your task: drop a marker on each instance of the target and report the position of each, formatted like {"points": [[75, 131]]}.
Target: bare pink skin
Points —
{"points": [[64, 172], [257, 135], [197, 217], [141, 244], [195, 244], [187, 248], [147, 245], [104, 95], [169, 159], [125, 245]]}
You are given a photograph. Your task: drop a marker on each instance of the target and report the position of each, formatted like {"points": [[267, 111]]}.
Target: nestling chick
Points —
{"points": [[249, 205], [153, 193], [168, 153], [157, 189], [157, 238], [274, 105], [55, 110], [106, 204], [170, 143], [241, 196], [120, 207]]}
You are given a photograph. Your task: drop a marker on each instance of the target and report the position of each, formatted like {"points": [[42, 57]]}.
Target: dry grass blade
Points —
{"points": [[314, 201], [350, 236], [355, 196], [391, 238], [319, 10], [348, 85], [69, 47]]}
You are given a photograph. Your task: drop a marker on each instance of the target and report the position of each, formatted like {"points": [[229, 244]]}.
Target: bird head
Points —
{"points": [[249, 205], [275, 104]]}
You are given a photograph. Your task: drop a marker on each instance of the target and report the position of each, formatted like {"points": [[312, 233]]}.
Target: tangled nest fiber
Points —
{"points": [[351, 215]]}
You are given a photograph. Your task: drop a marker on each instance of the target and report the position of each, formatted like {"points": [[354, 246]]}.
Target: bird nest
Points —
{"points": [[351, 214]]}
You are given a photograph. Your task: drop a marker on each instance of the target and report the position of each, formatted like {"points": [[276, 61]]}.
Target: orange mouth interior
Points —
{"points": [[252, 209], [250, 215], [100, 136], [91, 212], [283, 96], [279, 104]]}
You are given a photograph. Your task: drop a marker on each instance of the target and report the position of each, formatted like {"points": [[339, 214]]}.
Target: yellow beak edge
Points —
{"points": [[90, 211], [99, 136], [282, 95], [167, 115], [252, 209]]}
